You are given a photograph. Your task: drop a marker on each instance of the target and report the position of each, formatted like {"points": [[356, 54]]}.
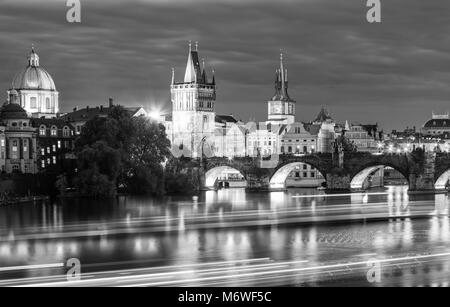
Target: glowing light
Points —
{"points": [[155, 114]]}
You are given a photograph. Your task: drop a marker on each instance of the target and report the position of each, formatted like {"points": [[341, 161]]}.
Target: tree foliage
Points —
{"points": [[121, 150]]}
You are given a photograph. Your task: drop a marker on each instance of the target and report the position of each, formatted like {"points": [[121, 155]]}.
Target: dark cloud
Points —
{"points": [[393, 73]]}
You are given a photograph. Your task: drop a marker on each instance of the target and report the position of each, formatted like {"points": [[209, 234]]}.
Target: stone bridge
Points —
{"points": [[343, 171]]}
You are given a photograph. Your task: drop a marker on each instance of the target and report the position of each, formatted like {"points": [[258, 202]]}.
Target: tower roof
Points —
{"points": [[281, 83], [323, 116], [193, 71]]}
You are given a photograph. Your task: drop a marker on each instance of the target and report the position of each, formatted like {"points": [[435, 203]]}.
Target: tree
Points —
{"points": [[148, 150], [177, 179], [121, 150]]}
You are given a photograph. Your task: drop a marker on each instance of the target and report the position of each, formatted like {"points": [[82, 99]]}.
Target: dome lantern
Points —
{"points": [[33, 58]]}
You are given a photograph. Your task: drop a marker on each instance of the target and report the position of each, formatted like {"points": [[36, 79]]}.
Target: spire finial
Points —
{"points": [[173, 75], [190, 46], [196, 45], [283, 77]]}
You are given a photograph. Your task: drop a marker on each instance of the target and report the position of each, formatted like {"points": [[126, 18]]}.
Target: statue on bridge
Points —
{"points": [[341, 146]]}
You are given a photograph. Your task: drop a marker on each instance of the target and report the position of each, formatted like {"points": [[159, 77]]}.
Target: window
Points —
{"points": [[54, 148], [43, 151], [48, 150], [54, 160], [47, 103], [33, 102], [305, 167], [25, 145], [42, 130], [290, 149], [14, 147], [54, 131], [205, 122], [66, 131], [43, 163], [59, 144], [305, 175], [305, 149], [313, 175], [3, 143]]}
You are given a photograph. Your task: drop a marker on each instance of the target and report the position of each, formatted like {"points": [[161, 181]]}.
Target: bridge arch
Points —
{"points": [[278, 179], [442, 181], [358, 180], [213, 174]]}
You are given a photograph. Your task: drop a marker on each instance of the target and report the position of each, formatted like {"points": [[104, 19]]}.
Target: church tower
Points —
{"points": [[281, 108], [193, 107]]}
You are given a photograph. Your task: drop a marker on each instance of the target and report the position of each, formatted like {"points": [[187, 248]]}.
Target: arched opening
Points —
{"points": [[378, 176], [443, 182], [224, 177], [297, 175]]}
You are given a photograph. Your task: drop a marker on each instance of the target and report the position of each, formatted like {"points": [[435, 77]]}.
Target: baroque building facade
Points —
{"points": [[18, 139], [33, 136], [37, 93]]}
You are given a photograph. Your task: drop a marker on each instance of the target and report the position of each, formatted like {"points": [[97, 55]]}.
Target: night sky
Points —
{"points": [[394, 73]]}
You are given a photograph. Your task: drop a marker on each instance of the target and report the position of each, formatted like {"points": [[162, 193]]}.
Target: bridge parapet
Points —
{"points": [[419, 168]]}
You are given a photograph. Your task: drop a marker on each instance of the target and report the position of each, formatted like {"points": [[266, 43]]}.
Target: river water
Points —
{"points": [[299, 237]]}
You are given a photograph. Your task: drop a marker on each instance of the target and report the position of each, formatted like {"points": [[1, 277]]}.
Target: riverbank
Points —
{"points": [[23, 200]]}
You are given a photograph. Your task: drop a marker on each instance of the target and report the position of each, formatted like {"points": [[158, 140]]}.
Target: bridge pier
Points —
{"points": [[338, 182], [257, 183], [421, 182]]}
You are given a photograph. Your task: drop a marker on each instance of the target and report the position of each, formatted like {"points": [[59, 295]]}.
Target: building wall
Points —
{"points": [[193, 116], [39, 103], [18, 147]]}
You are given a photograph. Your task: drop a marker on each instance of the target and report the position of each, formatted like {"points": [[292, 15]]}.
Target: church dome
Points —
{"points": [[13, 111], [33, 77], [438, 123]]}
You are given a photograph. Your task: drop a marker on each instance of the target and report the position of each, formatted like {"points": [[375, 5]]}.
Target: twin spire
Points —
{"points": [[281, 82]]}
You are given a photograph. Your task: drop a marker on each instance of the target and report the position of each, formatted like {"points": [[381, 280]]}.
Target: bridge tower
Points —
{"points": [[193, 106]]}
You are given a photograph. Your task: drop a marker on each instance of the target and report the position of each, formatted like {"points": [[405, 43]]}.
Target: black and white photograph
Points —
{"points": [[225, 149]]}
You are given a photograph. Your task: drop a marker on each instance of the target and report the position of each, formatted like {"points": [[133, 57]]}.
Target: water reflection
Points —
{"points": [[161, 232]]}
